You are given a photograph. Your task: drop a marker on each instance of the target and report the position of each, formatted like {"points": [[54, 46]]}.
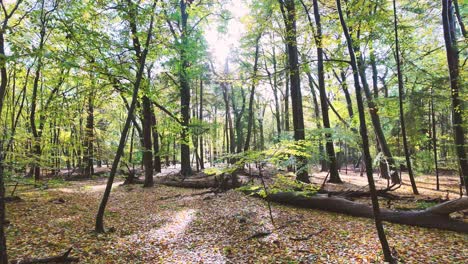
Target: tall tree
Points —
{"points": [[6, 16], [131, 8], [250, 119], [330, 150], [451, 49], [365, 141], [400, 97], [185, 166], [288, 9], [88, 158], [200, 117], [156, 147]]}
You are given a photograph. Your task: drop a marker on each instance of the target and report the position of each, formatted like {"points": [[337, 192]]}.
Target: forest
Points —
{"points": [[233, 131]]}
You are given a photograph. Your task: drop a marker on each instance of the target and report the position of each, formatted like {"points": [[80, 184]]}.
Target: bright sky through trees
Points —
{"points": [[222, 43]]}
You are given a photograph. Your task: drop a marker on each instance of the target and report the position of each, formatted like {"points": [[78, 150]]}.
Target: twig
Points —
{"points": [[307, 237]]}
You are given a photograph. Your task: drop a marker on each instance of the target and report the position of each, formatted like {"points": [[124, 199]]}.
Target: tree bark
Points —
{"points": [[156, 147], [200, 113], [457, 105], [289, 16], [287, 96], [89, 136], [147, 138], [185, 166]]}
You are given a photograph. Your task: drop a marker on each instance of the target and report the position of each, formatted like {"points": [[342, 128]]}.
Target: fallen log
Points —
{"points": [[360, 194], [433, 217], [222, 182], [64, 258]]}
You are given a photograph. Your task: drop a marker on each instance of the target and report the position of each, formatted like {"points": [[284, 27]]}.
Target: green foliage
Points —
{"points": [[424, 205], [282, 183], [213, 171], [423, 161], [286, 183]]}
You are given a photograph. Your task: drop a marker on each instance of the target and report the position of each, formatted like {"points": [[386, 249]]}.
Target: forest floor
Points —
{"points": [[175, 225]]}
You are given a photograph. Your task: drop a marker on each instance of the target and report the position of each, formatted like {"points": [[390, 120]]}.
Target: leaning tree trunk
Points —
{"points": [[400, 97], [375, 118], [365, 142], [457, 104], [289, 16], [141, 55], [384, 173]]}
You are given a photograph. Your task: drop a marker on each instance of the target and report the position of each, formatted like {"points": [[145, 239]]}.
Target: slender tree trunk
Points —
{"points": [[289, 16], [174, 150], [323, 160], [459, 18], [400, 96], [384, 173], [131, 174], [250, 119], [147, 123], [434, 139], [373, 111], [141, 55], [286, 101], [89, 135], [344, 87], [3, 87], [156, 147], [3, 245], [238, 124], [275, 95], [230, 140], [201, 147], [457, 104], [365, 142], [331, 158]]}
